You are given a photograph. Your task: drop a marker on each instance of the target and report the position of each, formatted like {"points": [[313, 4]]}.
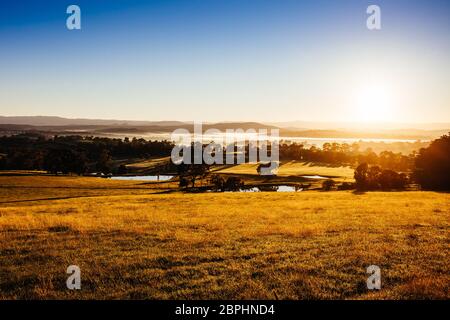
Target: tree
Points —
{"points": [[122, 169], [3, 162], [328, 185], [233, 184], [79, 163], [65, 161], [433, 165], [373, 175], [104, 162], [183, 182], [361, 176], [192, 172], [218, 182], [390, 179], [373, 178], [346, 186]]}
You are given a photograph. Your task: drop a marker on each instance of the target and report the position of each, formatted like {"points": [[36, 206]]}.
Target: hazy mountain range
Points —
{"points": [[61, 125], [59, 121]]}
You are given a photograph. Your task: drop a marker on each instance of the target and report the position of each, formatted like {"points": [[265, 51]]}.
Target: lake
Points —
{"points": [[280, 188]]}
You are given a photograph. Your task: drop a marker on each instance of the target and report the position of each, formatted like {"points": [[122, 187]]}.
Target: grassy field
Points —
{"points": [[22, 189], [148, 164], [296, 168], [133, 245]]}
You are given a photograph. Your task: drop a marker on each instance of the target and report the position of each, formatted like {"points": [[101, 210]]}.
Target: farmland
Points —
{"points": [[297, 168]]}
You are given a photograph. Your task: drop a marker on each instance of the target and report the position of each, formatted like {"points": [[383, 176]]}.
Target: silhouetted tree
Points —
{"points": [[218, 182], [233, 184], [328, 185], [346, 186], [122, 169], [183, 182], [65, 161], [192, 172], [361, 176], [104, 162], [373, 175], [390, 179], [433, 165], [33, 151], [373, 178]]}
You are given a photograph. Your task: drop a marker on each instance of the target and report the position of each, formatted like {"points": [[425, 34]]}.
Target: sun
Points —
{"points": [[374, 103]]}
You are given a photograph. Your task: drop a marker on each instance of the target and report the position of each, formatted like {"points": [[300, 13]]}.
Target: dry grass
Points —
{"points": [[24, 190], [297, 168], [147, 164], [311, 169], [306, 245]]}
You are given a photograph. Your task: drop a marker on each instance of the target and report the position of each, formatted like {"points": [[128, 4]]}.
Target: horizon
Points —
{"points": [[372, 123], [290, 126], [228, 61]]}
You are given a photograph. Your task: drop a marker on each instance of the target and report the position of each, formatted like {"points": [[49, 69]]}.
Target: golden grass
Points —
{"points": [[311, 169], [148, 163], [306, 245], [297, 168], [18, 190]]}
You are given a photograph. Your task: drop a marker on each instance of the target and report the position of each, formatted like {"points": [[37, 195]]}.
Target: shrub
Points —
{"points": [[233, 184], [328, 185], [373, 178]]}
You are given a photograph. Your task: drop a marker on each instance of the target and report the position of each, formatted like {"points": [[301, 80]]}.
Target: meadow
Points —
{"points": [[133, 241], [298, 169], [23, 189]]}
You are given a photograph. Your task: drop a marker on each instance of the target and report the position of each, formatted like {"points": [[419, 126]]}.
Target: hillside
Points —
{"points": [[305, 245]]}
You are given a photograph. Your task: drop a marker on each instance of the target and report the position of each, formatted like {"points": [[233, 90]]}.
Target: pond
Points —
{"points": [[286, 189], [280, 188], [143, 178], [314, 177]]}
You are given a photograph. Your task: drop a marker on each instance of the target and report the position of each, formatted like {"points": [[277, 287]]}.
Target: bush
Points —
{"points": [[218, 182], [346, 186], [373, 178], [389, 180], [328, 185], [233, 184], [433, 165], [122, 169], [183, 182]]}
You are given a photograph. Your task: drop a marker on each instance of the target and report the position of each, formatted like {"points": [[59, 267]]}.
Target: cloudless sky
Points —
{"points": [[222, 60]]}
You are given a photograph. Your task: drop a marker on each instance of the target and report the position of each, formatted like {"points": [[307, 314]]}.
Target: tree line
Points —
{"points": [[74, 154], [346, 154], [429, 167]]}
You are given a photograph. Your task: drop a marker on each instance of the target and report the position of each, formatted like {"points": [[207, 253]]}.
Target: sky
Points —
{"points": [[227, 60]]}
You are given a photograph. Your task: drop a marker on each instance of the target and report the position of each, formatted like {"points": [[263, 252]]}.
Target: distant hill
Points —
{"points": [[59, 121], [59, 125]]}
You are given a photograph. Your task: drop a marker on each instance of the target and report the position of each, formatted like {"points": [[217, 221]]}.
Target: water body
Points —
{"points": [[143, 178], [286, 189], [314, 177], [280, 188]]}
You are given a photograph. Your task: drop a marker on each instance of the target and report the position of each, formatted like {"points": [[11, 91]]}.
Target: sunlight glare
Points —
{"points": [[374, 104]]}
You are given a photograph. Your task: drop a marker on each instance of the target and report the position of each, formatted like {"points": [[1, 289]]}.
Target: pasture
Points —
{"points": [[296, 168], [132, 242]]}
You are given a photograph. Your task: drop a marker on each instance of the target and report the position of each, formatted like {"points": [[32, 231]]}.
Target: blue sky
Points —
{"points": [[217, 60]]}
